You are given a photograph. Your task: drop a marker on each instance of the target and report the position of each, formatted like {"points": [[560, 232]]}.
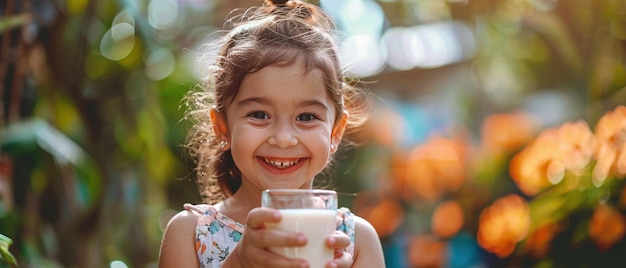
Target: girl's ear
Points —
{"points": [[219, 125], [338, 129]]}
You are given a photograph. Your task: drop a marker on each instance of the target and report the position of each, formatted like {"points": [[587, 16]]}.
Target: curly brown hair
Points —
{"points": [[278, 32]]}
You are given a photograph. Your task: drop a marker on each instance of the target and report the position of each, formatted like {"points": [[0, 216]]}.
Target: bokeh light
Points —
{"points": [[428, 45], [119, 40], [507, 132], [362, 56], [162, 14], [386, 127], [356, 17], [611, 137], [384, 213], [118, 264], [447, 219], [368, 45], [503, 224], [607, 226], [426, 251], [160, 64], [436, 167], [556, 150], [539, 242]]}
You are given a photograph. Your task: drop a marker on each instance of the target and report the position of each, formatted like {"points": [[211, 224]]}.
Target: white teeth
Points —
{"points": [[281, 164]]}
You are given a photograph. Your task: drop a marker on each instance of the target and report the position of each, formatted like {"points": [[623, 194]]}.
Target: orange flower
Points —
{"points": [[578, 144], [426, 251], [536, 166], [385, 127], [607, 226], [555, 151], [398, 173], [611, 153], [447, 219], [503, 224], [507, 131], [435, 167], [538, 244], [385, 216]]}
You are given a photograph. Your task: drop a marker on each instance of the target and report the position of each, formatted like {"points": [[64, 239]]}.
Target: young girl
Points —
{"points": [[272, 113]]}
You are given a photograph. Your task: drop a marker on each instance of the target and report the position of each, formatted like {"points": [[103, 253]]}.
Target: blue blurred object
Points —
{"points": [[463, 251], [395, 250]]}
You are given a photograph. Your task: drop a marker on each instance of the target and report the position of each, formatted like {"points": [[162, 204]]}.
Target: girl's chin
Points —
{"points": [[279, 183]]}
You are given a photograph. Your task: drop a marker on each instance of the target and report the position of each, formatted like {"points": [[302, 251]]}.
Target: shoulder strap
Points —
{"points": [[346, 224]]}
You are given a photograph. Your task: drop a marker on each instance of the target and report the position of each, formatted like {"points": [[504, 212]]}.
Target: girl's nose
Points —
{"points": [[283, 136]]}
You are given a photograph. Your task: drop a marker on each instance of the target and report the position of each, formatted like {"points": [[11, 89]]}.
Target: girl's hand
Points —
{"points": [[339, 241], [253, 248]]}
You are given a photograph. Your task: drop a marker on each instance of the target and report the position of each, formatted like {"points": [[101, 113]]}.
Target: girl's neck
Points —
{"points": [[237, 206]]}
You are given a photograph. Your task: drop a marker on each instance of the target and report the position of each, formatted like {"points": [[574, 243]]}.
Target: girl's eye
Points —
{"points": [[306, 117], [259, 115]]}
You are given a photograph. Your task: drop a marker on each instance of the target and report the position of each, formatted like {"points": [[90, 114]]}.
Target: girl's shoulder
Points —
{"points": [[208, 215], [182, 219], [363, 226], [368, 249], [176, 251]]}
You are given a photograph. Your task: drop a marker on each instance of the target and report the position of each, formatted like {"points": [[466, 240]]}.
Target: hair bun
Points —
{"points": [[279, 3]]}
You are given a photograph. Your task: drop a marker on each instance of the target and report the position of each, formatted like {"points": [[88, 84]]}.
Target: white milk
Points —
{"points": [[316, 225]]}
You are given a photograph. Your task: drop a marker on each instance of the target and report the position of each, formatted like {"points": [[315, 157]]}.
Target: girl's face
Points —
{"points": [[281, 127]]}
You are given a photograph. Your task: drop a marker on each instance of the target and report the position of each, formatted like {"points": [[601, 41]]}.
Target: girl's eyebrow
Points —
{"points": [[314, 102], [259, 100], [267, 101]]}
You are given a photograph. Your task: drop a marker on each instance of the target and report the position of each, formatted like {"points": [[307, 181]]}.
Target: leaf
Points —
{"points": [[27, 136], [8, 23], [5, 254], [36, 132], [5, 241]]}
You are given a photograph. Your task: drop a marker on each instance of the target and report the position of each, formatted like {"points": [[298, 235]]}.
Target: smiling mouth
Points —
{"points": [[281, 163]]}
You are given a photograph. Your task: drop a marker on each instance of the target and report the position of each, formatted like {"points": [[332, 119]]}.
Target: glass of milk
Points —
{"points": [[310, 212]]}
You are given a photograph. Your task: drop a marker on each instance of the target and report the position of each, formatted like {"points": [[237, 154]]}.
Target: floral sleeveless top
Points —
{"points": [[217, 235]]}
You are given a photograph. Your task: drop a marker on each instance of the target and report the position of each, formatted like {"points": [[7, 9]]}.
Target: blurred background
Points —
{"points": [[498, 138]]}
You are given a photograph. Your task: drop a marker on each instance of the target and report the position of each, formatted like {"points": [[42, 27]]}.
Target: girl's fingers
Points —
{"points": [[344, 260], [338, 240], [258, 216], [257, 241], [262, 237], [263, 258], [275, 238]]}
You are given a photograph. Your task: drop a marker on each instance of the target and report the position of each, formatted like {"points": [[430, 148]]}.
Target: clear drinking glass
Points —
{"points": [[310, 212]]}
